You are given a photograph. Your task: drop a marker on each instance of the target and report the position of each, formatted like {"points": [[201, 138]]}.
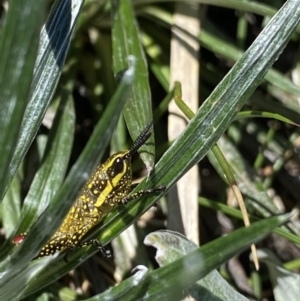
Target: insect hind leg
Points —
{"points": [[105, 253]]}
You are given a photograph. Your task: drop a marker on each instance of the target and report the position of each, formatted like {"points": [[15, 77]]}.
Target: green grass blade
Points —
{"points": [[11, 206], [254, 7], [54, 44], [138, 109], [244, 176], [294, 238], [18, 47], [263, 114], [52, 171], [46, 183], [228, 51]]}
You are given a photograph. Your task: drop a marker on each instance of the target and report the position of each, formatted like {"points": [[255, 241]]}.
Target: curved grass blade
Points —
{"points": [[253, 7], [244, 176], [44, 186], [51, 173], [228, 51], [11, 205], [237, 214], [18, 48], [280, 278], [263, 114], [138, 109], [54, 44]]}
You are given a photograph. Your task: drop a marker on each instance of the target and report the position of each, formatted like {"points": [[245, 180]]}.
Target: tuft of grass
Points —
{"points": [[87, 73]]}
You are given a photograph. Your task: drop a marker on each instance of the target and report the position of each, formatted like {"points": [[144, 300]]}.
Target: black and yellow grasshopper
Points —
{"points": [[109, 186]]}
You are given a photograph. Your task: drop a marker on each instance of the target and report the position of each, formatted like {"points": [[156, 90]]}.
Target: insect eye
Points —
{"points": [[118, 166]]}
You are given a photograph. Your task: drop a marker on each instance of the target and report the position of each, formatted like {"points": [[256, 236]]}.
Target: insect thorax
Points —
{"points": [[111, 181]]}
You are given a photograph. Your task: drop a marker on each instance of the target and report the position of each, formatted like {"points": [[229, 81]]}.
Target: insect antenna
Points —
{"points": [[141, 139]]}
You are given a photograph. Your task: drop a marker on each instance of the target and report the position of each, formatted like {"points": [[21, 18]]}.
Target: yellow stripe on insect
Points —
{"points": [[104, 194]]}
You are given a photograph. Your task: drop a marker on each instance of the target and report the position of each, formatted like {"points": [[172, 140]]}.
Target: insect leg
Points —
{"points": [[143, 192], [136, 184], [75, 242], [105, 253]]}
